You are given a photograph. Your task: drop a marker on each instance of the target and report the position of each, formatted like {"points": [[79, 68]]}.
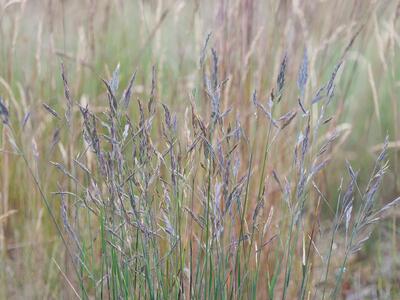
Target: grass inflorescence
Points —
{"points": [[226, 171]]}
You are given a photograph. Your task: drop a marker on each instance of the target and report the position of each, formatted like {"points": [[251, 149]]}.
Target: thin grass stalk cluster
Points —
{"points": [[158, 204]]}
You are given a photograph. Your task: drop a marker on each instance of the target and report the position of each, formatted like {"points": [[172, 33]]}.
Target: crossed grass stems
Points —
{"points": [[165, 207]]}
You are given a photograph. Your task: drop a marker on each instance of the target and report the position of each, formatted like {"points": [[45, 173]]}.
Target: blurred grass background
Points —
{"points": [[91, 37]]}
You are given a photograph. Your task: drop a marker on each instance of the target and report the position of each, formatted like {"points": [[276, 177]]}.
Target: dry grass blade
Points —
{"points": [[3, 217]]}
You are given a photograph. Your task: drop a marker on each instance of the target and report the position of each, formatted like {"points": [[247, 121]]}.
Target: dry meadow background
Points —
{"points": [[231, 149]]}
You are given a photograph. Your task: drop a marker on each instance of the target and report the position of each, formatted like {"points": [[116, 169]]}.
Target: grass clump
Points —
{"points": [[237, 164], [158, 204]]}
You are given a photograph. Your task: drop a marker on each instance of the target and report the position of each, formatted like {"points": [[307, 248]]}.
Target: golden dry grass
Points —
{"points": [[250, 39]]}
